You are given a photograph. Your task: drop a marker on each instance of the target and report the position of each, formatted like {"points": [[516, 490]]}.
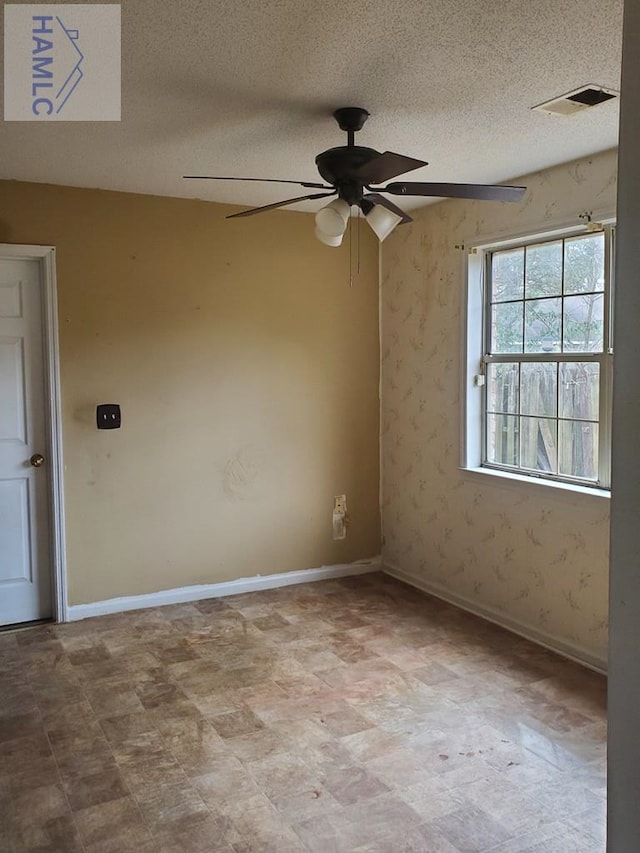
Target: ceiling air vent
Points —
{"points": [[578, 100]]}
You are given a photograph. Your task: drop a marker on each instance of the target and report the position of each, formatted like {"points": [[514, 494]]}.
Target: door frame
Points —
{"points": [[46, 256]]}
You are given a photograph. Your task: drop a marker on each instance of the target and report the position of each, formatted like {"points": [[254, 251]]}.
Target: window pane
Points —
{"points": [[584, 264], [544, 270], [507, 275], [584, 323], [539, 388], [579, 449], [580, 390], [506, 327], [538, 444], [542, 325], [502, 388], [502, 439]]}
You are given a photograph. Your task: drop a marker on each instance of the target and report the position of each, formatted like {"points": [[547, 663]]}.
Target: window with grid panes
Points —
{"points": [[547, 362]]}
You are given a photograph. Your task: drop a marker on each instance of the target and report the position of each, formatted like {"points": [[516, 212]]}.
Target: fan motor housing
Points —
{"points": [[338, 166]]}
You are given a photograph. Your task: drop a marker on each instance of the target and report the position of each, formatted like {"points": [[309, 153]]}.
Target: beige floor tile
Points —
{"points": [[350, 716], [306, 804], [257, 745], [53, 835], [228, 779], [350, 785], [211, 835], [283, 774], [471, 830], [234, 723], [85, 791], [371, 744], [173, 805], [118, 822], [39, 805]]}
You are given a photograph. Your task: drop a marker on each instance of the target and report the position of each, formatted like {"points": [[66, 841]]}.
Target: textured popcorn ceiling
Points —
{"points": [[247, 88]]}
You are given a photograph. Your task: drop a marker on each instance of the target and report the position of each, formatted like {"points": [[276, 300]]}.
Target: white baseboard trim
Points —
{"points": [[184, 594], [554, 644]]}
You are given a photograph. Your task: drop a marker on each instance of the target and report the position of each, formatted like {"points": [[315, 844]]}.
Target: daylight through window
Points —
{"points": [[548, 352]]}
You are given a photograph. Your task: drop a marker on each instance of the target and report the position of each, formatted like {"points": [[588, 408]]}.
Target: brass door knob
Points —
{"points": [[37, 460]]}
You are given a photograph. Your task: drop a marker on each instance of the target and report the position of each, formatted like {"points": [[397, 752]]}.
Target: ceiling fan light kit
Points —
{"points": [[350, 172], [332, 219], [327, 239], [382, 221]]}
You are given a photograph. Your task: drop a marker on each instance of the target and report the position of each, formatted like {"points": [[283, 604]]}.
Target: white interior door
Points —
{"points": [[25, 554]]}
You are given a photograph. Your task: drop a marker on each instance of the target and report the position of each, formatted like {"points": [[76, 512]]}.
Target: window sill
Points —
{"points": [[524, 481]]}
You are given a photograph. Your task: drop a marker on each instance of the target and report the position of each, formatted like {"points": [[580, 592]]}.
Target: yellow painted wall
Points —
{"points": [[533, 557], [247, 370]]}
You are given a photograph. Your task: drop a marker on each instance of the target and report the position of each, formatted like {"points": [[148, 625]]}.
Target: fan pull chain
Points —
{"points": [[350, 253], [357, 258]]}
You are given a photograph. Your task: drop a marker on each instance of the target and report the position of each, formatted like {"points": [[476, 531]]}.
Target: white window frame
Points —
{"points": [[475, 358]]}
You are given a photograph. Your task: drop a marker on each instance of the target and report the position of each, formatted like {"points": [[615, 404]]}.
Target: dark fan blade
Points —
{"points": [[372, 199], [486, 192], [269, 180], [387, 166], [253, 210]]}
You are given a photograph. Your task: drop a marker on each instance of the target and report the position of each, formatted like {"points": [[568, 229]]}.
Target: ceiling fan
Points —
{"points": [[352, 172]]}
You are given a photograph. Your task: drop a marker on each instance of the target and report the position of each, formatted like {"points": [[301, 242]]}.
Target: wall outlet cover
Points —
{"points": [[339, 526], [340, 517]]}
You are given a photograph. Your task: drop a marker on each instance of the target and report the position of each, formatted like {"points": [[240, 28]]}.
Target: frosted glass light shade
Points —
{"points": [[327, 239], [382, 221], [332, 219]]}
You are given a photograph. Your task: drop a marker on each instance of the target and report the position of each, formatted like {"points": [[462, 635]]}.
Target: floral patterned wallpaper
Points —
{"points": [[533, 557]]}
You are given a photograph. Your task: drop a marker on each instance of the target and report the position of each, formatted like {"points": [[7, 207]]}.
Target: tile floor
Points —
{"points": [[351, 716]]}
